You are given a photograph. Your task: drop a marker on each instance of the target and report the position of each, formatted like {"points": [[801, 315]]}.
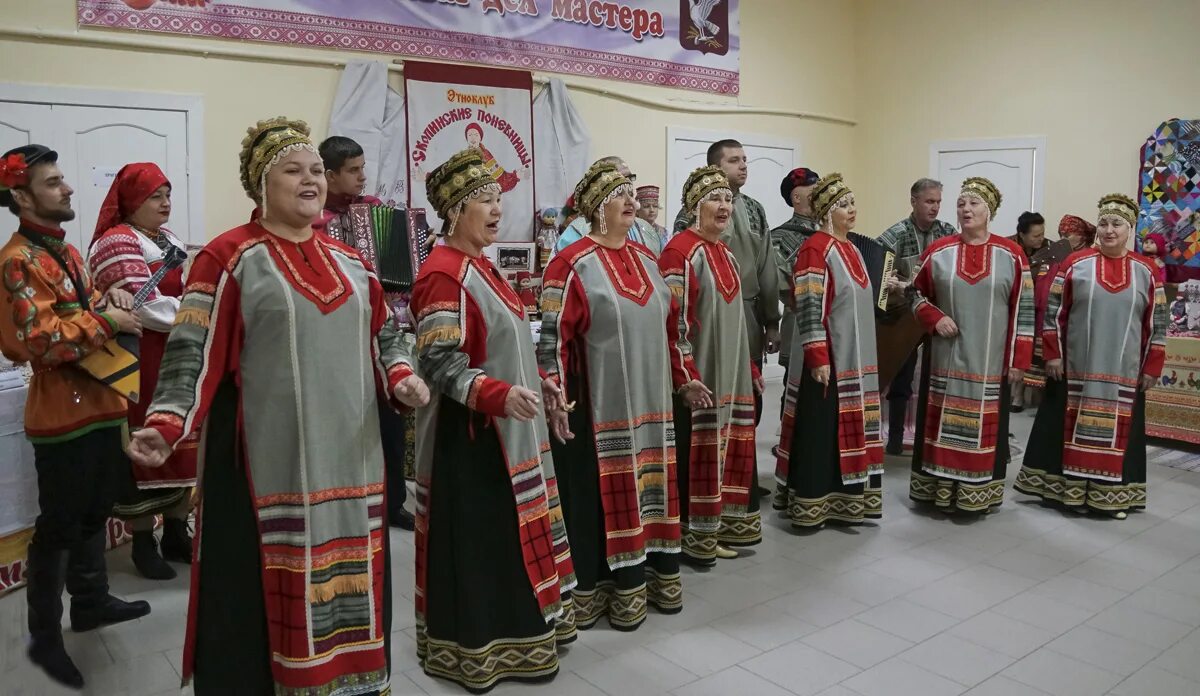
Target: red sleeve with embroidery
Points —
{"points": [[392, 349], [813, 295], [203, 349], [924, 308], [680, 277], [1058, 309], [1154, 329], [565, 318], [452, 344]]}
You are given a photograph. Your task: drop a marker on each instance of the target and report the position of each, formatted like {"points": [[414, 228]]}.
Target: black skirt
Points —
{"points": [[482, 622], [232, 651], [815, 493], [1042, 474], [951, 494], [622, 594]]}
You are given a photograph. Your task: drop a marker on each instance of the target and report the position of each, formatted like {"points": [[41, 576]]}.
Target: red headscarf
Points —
{"points": [[1071, 224], [134, 184]]}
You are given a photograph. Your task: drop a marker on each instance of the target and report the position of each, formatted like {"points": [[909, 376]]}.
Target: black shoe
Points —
{"points": [[57, 665], [764, 492], [146, 559], [894, 447], [176, 541], [1017, 409], [110, 611], [402, 518]]}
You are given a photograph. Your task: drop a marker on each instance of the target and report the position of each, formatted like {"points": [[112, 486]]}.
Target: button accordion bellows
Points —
{"points": [[392, 240], [879, 262]]}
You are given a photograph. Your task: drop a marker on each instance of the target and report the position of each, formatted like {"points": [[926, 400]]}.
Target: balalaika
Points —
{"points": [[392, 240], [116, 362]]}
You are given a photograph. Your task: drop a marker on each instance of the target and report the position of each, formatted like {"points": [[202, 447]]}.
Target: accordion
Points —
{"points": [[392, 240], [879, 262]]}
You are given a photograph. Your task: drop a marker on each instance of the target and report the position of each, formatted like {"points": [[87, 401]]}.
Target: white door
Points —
{"points": [[769, 160], [93, 144], [1015, 166], [94, 140]]}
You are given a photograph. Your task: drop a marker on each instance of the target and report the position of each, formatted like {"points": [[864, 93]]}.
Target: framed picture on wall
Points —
{"points": [[513, 257]]}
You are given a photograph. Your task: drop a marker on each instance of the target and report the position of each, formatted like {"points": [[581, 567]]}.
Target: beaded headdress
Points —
{"points": [[597, 184], [1120, 205], [702, 182], [265, 145], [985, 190], [826, 193]]}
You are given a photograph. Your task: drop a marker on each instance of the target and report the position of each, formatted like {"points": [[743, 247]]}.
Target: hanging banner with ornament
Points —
{"points": [[455, 107], [689, 44]]}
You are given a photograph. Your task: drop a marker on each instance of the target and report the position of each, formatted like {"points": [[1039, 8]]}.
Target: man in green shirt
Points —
{"points": [[749, 238], [908, 239]]}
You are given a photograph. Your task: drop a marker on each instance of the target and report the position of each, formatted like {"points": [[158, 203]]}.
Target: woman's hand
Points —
{"points": [[127, 322], [1148, 382], [148, 448], [1054, 369], [521, 404], [821, 375], [696, 395], [946, 328], [1015, 376], [412, 392], [560, 426], [121, 299], [553, 395]]}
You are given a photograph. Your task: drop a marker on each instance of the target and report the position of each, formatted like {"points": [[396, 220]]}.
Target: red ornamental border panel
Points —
{"points": [[276, 26]]}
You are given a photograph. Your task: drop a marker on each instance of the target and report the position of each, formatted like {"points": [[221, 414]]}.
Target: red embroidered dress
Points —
{"points": [[287, 345], [492, 558], [987, 289], [610, 337], [125, 258], [718, 503]]}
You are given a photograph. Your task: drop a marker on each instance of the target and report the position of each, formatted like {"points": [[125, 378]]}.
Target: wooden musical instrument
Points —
{"points": [[116, 362]]}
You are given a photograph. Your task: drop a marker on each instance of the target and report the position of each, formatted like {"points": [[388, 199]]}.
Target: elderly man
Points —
{"points": [[749, 238], [908, 239], [642, 232]]}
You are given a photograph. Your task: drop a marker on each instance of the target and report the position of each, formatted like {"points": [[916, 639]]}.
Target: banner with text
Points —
{"points": [[690, 44], [452, 108]]}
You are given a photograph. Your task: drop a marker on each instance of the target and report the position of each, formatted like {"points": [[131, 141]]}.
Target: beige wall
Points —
{"points": [[237, 92], [1093, 76]]}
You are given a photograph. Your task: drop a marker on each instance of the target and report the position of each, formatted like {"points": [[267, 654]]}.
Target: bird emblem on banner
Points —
{"points": [[704, 25]]}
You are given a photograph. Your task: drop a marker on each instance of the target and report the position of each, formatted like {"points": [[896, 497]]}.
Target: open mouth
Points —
{"points": [[309, 195], [493, 226]]}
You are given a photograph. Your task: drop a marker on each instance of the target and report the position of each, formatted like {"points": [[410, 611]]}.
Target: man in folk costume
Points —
{"points": [[830, 458], [975, 298], [280, 349], [610, 338], [54, 319], [1104, 339], [648, 209], [908, 240], [718, 503], [749, 238], [345, 173], [492, 558], [788, 238], [129, 252], [642, 232]]}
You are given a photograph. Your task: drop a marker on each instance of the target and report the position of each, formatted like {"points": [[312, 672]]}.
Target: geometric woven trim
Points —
{"points": [[948, 493], [481, 668], [1075, 492], [740, 531], [840, 507]]}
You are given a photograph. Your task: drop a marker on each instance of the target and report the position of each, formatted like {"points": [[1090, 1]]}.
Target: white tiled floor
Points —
{"points": [[1025, 601]]}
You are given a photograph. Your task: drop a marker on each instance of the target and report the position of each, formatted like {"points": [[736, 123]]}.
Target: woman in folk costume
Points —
{"points": [[830, 461], [128, 251], [1104, 339], [280, 347], [492, 558], [1081, 234], [714, 435], [975, 296], [610, 339]]}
